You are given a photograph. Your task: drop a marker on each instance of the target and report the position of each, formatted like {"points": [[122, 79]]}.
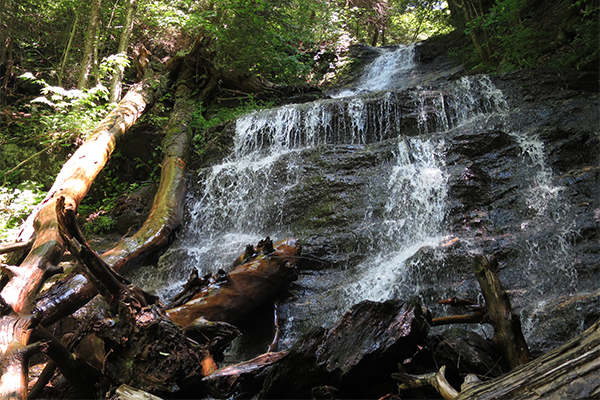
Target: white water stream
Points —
{"points": [[244, 199]]}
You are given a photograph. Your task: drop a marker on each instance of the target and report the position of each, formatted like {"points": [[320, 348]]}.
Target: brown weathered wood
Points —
{"points": [[126, 392], [63, 363], [165, 215], [136, 325], [571, 371], [15, 330], [508, 336], [113, 287], [73, 182], [17, 246], [437, 380], [80, 377], [245, 377], [243, 288]]}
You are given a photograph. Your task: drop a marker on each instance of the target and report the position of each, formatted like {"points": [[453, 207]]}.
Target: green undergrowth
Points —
{"points": [[203, 119], [517, 34], [15, 206]]}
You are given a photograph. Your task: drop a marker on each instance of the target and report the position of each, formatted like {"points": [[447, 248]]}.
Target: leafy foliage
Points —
{"points": [[269, 37], [521, 35], [15, 205], [75, 111], [414, 20], [289, 41], [201, 124]]}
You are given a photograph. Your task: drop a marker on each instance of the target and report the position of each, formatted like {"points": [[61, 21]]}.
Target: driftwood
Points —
{"points": [[138, 324], [138, 328], [437, 380], [508, 337], [229, 296], [72, 183], [126, 392], [166, 213], [243, 379], [571, 371]]}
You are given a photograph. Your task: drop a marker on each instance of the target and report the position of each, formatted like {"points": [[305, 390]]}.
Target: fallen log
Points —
{"points": [[231, 295], [138, 324], [17, 246], [166, 213], [138, 344], [571, 371], [365, 344], [241, 380], [73, 182]]}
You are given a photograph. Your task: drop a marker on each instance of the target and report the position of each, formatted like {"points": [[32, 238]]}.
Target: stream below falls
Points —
{"points": [[394, 183]]}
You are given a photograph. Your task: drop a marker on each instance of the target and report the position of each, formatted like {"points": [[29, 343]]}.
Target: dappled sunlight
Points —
{"points": [[12, 382]]}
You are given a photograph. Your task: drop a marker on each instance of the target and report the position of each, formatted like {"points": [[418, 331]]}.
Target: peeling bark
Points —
{"points": [[231, 295], [166, 213], [571, 371], [72, 183]]}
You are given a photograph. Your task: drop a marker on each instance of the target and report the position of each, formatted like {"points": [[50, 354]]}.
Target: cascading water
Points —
{"points": [[369, 166], [541, 196], [391, 70]]}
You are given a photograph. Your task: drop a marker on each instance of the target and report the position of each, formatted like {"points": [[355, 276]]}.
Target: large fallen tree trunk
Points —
{"points": [[130, 349], [72, 183], [165, 215], [141, 345], [230, 296], [571, 371]]}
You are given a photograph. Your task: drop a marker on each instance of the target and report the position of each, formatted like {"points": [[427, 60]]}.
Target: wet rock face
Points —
{"points": [[513, 164], [370, 338], [525, 189], [466, 352], [547, 247]]}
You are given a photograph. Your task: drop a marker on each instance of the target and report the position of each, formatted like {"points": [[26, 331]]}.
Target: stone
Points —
{"points": [[365, 345]]}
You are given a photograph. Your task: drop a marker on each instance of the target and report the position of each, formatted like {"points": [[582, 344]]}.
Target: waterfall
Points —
{"points": [[298, 169], [390, 70], [541, 196]]}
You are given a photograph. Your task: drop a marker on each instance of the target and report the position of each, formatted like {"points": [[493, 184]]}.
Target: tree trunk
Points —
{"points": [[88, 49], [71, 294], [570, 372], [232, 295], [72, 183], [508, 337], [67, 49], [117, 78]]}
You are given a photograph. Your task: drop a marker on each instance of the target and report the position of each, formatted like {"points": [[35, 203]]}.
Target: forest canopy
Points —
{"points": [[62, 63]]}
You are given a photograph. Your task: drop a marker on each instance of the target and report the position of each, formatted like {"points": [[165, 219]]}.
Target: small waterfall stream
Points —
{"points": [[372, 162]]}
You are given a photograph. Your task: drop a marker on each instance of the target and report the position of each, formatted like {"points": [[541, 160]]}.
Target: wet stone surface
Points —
{"points": [[505, 166]]}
